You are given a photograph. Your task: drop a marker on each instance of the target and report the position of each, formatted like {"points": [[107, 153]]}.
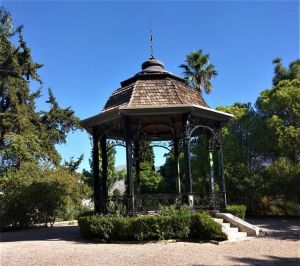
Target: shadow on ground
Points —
{"points": [[279, 228], [67, 233], [270, 260], [276, 228]]}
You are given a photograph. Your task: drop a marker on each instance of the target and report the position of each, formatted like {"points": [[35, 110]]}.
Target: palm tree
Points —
{"points": [[198, 71]]}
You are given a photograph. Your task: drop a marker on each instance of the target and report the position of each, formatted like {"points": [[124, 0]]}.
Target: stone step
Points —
{"points": [[231, 232], [230, 229], [226, 225], [241, 224], [218, 220], [233, 237]]}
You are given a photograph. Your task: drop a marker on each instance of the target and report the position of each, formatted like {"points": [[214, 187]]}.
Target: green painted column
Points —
{"points": [[129, 150], [104, 186]]}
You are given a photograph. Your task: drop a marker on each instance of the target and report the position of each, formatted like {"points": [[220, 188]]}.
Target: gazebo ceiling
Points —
{"points": [[154, 92]]}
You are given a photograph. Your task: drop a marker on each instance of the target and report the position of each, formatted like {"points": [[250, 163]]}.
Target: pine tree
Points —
{"points": [[26, 135]]}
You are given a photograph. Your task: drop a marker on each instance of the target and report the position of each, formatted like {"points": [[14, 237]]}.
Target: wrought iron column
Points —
{"points": [[177, 171], [211, 168], [221, 170], [97, 199], [188, 173], [130, 189], [104, 174]]}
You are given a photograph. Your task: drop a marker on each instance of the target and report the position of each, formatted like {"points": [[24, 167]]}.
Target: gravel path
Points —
{"points": [[61, 245]]}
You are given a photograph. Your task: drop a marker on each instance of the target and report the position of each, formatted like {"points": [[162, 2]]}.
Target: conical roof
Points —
{"points": [[154, 86], [157, 93]]}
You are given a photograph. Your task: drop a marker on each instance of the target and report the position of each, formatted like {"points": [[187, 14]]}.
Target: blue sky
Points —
{"points": [[87, 48]]}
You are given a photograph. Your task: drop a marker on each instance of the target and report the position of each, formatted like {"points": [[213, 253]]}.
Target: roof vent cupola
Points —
{"points": [[153, 65]]}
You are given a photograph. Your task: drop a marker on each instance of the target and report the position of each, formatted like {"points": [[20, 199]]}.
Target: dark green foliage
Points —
{"points": [[283, 73], [168, 172], [199, 157], [174, 210], [262, 148], [279, 109], [204, 228], [33, 194], [237, 210], [147, 180], [283, 191], [26, 135], [150, 180], [112, 174], [108, 228], [73, 164], [33, 186], [145, 153]]}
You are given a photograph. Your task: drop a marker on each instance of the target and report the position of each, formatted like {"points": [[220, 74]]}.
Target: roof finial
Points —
{"points": [[151, 41]]}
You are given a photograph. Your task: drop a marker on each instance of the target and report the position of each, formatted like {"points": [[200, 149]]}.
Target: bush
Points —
{"points": [[174, 210], [237, 210], [205, 228], [109, 228], [34, 195], [160, 227]]}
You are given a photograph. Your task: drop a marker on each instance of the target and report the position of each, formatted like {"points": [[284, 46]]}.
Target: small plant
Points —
{"points": [[237, 210]]}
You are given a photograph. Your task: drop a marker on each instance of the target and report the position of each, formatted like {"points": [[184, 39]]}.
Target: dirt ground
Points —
{"points": [[62, 245]]}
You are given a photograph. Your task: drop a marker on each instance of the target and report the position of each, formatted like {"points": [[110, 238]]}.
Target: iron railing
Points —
{"points": [[152, 202]]}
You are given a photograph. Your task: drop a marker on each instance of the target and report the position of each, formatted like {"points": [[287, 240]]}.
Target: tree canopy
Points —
{"points": [[25, 133], [34, 186], [261, 146]]}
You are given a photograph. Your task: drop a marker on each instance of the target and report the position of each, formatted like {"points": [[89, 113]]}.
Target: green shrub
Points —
{"points": [[36, 194], [109, 228], [160, 227], [105, 227], [205, 228], [174, 210], [237, 210]]}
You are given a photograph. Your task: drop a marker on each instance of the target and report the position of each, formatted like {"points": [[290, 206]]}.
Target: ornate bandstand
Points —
{"points": [[156, 106]]}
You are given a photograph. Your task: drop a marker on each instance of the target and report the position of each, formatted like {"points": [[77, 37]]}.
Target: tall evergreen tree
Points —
{"points": [[112, 174], [283, 73], [34, 186], [26, 135]]}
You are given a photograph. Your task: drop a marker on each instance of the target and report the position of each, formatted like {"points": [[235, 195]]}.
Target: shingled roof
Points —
{"points": [[154, 88], [160, 91], [154, 91]]}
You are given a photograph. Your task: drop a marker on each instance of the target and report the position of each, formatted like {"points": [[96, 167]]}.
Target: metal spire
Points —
{"points": [[151, 41]]}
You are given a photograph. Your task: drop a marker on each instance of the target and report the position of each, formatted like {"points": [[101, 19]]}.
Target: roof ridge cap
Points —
{"points": [[175, 87]]}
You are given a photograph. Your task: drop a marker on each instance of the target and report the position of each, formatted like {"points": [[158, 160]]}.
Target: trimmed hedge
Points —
{"points": [[110, 228], [237, 210]]}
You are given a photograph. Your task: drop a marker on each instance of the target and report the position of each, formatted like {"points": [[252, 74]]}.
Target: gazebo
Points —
{"points": [[155, 105]]}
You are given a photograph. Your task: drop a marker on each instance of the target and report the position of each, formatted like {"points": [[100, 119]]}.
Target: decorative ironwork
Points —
{"points": [[117, 205], [213, 200], [152, 202], [162, 144], [212, 127], [187, 126], [114, 143]]}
